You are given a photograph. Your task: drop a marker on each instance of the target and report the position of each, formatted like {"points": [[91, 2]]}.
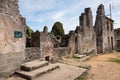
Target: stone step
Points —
{"points": [[79, 56], [38, 72], [30, 66], [85, 58]]}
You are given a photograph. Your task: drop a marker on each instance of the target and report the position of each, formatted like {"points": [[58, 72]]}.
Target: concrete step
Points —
{"points": [[30, 66], [79, 56], [38, 72]]}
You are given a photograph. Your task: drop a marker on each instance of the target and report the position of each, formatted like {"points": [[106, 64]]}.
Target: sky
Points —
{"points": [[40, 13]]}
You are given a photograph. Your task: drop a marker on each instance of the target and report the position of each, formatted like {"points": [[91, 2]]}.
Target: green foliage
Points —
{"points": [[29, 31], [57, 29]]}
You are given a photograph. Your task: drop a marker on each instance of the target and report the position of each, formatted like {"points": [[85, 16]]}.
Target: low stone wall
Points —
{"points": [[10, 62], [61, 51], [32, 53]]}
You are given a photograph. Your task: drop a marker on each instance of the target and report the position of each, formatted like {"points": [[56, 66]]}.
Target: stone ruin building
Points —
{"points": [[12, 37], [104, 32], [87, 39]]}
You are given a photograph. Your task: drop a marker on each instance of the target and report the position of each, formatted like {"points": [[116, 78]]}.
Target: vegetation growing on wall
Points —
{"points": [[29, 31]]}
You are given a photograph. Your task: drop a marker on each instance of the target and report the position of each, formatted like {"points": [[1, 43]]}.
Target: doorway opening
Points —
{"points": [[47, 58]]}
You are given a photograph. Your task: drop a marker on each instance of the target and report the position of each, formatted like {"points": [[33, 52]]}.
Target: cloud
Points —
{"points": [[58, 15], [39, 13]]}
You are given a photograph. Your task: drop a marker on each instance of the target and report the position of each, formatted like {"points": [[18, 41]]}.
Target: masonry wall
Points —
{"points": [[104, 31], [32, 53], [45, 42], [117, 39], [86, 38], [68, 41], [108, 35], [11, 48], [71, 44], [46, 45]]}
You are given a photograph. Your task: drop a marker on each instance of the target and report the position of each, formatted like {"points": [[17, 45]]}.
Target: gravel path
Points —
{"points": [[102, 69]]}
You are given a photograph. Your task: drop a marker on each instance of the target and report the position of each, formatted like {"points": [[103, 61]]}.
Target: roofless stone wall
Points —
{"points": [[12, 37], [85, 39], [104, 31]]}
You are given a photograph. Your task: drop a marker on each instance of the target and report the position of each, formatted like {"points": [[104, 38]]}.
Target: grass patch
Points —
{"points": [[117, 60]]}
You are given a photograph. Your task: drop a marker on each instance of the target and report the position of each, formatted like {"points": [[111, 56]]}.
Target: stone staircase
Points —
{"points": [[33, 69], [81, 57]]}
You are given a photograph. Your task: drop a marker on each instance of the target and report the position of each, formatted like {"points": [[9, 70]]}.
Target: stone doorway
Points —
{"points": [[47, 58]]}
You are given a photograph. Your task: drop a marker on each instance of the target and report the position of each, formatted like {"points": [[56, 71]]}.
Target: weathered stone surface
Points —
{"points": [[46, 43], [36, 39], [37, 72], [85, 39], [104, 31], [61, 51], [35, 64], [32, 53], [11, 48], [45, 30], [7, 41], [66, 72], [10, 63], [117, 39]]}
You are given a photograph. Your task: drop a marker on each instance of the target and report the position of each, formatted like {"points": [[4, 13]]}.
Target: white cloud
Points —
{"points": [[46, 12], [58, 15]]}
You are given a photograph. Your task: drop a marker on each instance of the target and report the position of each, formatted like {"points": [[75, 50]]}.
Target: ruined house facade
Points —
{"points": [[52, 47], [12, 37], [46, 43], [104, 32], [85, 35]]}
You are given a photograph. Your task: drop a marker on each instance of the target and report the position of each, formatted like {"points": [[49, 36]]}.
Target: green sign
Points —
{"points": [[18, 34]]}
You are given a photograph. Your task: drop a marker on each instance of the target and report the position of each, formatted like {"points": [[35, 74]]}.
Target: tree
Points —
{"points": [[57, 29], [29, 31]]}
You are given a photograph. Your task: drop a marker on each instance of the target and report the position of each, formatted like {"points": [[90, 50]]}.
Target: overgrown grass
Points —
{"points": [[117, 60]]}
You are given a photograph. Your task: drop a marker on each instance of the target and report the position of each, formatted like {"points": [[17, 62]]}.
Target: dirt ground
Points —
{"points": [[102, 69]]}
